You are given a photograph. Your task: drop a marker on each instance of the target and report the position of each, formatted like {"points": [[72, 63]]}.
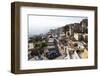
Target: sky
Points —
{"points": [[38, 24]]}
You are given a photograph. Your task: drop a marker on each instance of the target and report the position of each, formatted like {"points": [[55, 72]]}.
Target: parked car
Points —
{"points": [[53, 53]]}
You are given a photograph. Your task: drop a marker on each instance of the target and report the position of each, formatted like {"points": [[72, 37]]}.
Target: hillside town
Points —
{"points": [[67, 42]]}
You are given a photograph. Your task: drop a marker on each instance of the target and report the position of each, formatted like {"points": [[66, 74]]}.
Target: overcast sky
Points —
{"points": [[42, 24]]}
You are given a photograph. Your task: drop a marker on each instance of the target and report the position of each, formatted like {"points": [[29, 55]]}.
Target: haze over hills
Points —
{"points": [[43, 24]]}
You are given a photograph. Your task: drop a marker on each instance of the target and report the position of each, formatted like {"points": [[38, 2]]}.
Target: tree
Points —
{"points": [[34, 52], [44, 44], [40, 47], [81, 38]]}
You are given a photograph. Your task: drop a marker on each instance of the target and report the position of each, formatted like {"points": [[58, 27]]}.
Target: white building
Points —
{"points": [[30, 46], [51, 39], [76, 36]]}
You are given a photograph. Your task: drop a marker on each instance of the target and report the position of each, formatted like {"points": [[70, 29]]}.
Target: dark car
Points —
{"points": [[53, 53]]}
